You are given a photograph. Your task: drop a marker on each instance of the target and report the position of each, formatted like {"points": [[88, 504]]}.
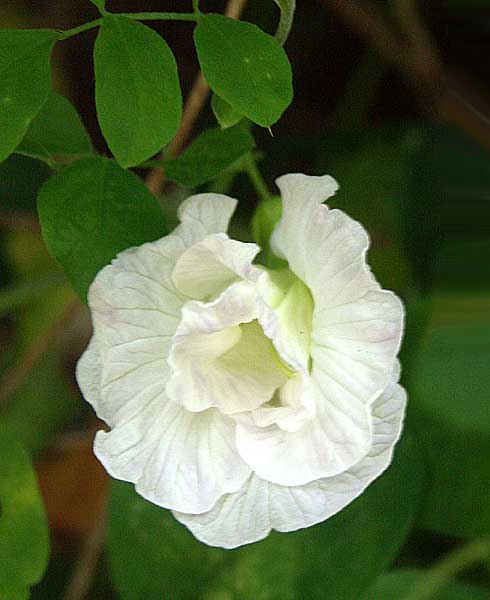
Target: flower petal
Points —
{"points": [[354, 347], [249, 514], [89, 373], [220, 355], [328, 444], [177, 459], [209, 266], [204, 214], [135, 312], [356, 327], [286, 316]]}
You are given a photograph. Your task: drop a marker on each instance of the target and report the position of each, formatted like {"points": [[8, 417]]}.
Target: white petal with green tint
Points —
{"points": [[259, 506], [220, 356]]}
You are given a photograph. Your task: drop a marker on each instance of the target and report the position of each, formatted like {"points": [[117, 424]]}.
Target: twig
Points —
{"points": [[19, 373], [369, 25], [86, 565], [425, 75], [416, 32], [195, 102]]}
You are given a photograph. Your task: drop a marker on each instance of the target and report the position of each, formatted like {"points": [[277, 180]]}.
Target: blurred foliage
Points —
{"points": [[396, 583], [24, 536]]}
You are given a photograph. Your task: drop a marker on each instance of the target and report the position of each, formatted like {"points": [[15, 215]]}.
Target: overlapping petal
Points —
{"points": [[328, 443], [220, 357], [176, 458], [242, 399], [259, 506]]}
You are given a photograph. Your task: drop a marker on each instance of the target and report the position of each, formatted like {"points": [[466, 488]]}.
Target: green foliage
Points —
{"points": [[449, 385], [225, 114], [393, 586], [287, 8], [91, 211], [100, 4], [211, 153], [56, 134], [139, 103], [20, 179], [246, 67], [24, 538], [152, 556], [24, 81]]}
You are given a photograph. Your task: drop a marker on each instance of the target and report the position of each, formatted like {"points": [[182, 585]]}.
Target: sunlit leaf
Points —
{"points": [[244, 66], [137, 91]]}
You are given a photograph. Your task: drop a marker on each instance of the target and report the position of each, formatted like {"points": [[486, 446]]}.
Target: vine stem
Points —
{"points": [[195, 102], [155, 16], [80, 29], [425, 73], [445, 570], [143, 16], [256, 178]]}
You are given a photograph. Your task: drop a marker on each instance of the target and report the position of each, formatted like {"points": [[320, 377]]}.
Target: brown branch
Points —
{"points": [[195, 102], [426, 75], [19, 221], [368, 24], [82, 576], [417, 34]]}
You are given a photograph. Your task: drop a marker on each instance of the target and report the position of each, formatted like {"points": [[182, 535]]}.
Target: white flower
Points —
{"points": [[242, 399]]}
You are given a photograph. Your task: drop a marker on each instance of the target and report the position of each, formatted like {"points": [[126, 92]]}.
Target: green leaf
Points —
{"points": [[225, 114], [20, 179], [287, 8], [449, 384], [153, 556], [100, 4], [137, 91], [394, 585], [57, 133], [24, 537], [211, 153], [91, 211], [25, 80], [244, 66]]}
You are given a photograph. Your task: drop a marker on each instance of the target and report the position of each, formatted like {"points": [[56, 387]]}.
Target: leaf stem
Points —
{"points": [[156, 16], [443, 571], [195, 6], [256, 177], [144, 16], [80, 29]]}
